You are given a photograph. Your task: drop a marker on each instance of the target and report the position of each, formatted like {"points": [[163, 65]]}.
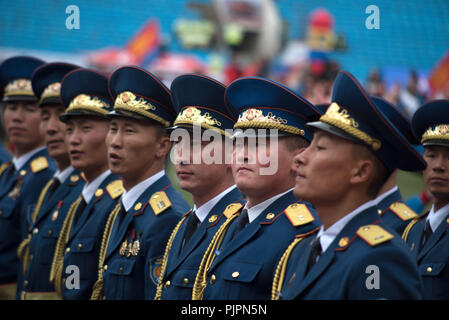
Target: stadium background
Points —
{"points": [[299, 43]]}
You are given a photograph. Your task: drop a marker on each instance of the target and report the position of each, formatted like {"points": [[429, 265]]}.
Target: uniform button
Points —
{"points": [[35, 231], [235, 274], [50, 232], [379, 211], [212, 279], [105, 267], [120, 270], [25, 283], [429, 270], [67, 250], [80, 246], [167, 284], [186, 281]]}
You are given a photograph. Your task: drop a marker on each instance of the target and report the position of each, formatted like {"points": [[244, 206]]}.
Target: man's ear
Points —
{"points": [[362, 171], [163, 147]]}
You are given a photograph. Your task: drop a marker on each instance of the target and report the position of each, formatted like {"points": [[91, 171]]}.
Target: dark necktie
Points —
{"points": [[79, 210], [427, 233], [242, 221], [315, 253], [121, 214], [56, 183], [191, 227]]}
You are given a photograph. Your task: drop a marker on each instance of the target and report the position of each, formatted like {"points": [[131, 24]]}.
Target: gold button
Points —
{"points": [[99, 192], [343, 241], [74, 178], [379, 211], [167, 284], [212, 279], [23, 172], [429, 269], [105, 267], [270, 216], [80, 246], [35, 231], [186, 281], [235, 274], [138, 206], [67, 250], [213, 218]]}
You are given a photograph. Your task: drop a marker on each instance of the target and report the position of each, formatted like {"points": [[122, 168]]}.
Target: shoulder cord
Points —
{"points": [[200, 281], [279, 276], [98, 287], [23, 251], [165, 258], [58, 257], [408, 228]]}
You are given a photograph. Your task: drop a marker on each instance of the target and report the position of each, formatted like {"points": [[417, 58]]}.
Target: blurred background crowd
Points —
{"points": [[399, 49]]}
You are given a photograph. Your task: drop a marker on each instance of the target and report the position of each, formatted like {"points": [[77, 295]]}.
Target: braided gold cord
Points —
{"points": [[279, 276], [200, 281], [408, 228], [23, 251], [4, 166], [158, 295], [58, 257], [98, 287]]}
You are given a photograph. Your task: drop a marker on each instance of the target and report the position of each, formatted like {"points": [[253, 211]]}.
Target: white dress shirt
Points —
{"points": [[204, 210], [436, 217], [129, 197], [90, 188], [64, 174], [256, 210], [19, 162], [328, 236]]}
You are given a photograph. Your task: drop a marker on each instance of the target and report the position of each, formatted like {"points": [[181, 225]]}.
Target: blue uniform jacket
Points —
{"points": [[182, 268], [44, 235], [85, 241], [397, 218], [134, 275], [19, 191], [433, 258], [350, 267], [244, 267], [4, 155]]}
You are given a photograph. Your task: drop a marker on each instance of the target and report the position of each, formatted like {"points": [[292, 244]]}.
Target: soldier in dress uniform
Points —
{"points": [[353, 255], [22, 179], [427, 235], [199, 101], [85, 96], [240, 260], [394, 212], [36, 251], [135, 236]]}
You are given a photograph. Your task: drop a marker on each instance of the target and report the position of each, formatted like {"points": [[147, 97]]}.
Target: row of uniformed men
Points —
{"points": [[108, 223]]}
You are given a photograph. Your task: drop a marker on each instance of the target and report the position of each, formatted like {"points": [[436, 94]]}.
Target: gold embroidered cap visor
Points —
{"points": [[430, 123], [85, 105], [353, 116], [19, 90]]}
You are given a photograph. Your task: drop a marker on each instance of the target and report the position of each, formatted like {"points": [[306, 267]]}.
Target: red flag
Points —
{"points": [[145, 41], [439, 77]]}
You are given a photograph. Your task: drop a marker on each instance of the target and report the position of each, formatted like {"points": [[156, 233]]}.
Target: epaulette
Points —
{"points": [[115, 189], [232, 209], [159, 202], [403, 211], [39, 164], [4, 166], [298, 214], [374, 234]]}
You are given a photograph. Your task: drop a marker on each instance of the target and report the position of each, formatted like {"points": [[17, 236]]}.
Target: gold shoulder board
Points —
{"points": [[115, 189], [3, 167], [298, 214], [403, 211], [232, 209], [39, 164], [159, 202], [374, 234]]}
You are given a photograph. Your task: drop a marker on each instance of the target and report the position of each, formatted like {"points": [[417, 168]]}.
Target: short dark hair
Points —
{"points": [[295, 142]]}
